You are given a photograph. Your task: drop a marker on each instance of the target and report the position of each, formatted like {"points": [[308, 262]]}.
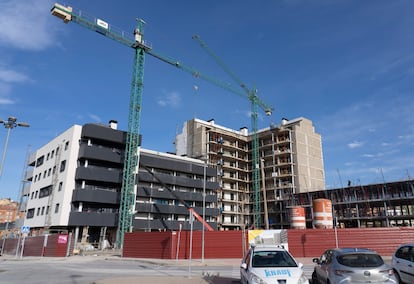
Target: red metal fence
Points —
{"points": [[48, 245], [313, 242], [221, 244], [229, 244], [172, 245]]}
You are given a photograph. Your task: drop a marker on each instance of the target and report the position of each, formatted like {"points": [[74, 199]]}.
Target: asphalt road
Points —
{"points": [[99, 269]]}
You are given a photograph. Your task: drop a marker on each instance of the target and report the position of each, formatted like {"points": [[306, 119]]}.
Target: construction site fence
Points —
{"points": [[233, 244], [218, 244], [57, 245]]}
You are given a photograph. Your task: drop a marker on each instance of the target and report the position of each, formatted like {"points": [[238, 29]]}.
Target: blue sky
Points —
{"points": [[346, 65]]}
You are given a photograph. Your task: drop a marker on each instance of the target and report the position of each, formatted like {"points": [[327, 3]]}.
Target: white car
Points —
{"points": [[267, 264], [403, 263]]}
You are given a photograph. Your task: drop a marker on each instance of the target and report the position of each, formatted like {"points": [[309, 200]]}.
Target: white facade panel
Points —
{"points": [[54, 172]]}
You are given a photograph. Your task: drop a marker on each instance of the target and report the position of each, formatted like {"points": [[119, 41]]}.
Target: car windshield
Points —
{"points": [[272, 259], [360, 260]]}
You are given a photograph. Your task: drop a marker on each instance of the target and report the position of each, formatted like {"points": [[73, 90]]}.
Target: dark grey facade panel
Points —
{"points": [[160, 208], [144, 176], [99, 174], [175, 165], [105, 154], [93, 219], [172, 209], [169, 225], [165, 194], [102, 132], [96, 196]]}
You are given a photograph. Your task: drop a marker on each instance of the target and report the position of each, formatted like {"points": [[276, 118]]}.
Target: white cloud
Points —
{"points": [[172, 99], [10, 76], [355, 144], [95, 117], [6, 101], [377, 155], [24, 24], [4, 89]]}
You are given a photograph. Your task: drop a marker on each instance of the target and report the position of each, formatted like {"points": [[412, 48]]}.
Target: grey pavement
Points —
{"points": [[114, 256]]}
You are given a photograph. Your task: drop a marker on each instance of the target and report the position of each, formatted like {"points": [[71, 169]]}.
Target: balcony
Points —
{"points": [[93, 219], [100, 174], [96, 196], [100, 153]]}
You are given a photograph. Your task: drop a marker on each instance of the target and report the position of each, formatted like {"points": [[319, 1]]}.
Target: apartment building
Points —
{"points": [[9, 216], [291, 163], [75, 183]]}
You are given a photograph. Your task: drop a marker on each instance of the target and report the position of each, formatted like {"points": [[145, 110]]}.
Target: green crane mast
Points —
{"points": [[256, 102], [131, 162], [141, 47]]}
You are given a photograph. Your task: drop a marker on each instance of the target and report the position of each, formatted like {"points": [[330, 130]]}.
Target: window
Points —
{"points": [[60, 186], [62, 166], [43, 211], [66, 145], [57, 208], [30, 213], [45, 191], [38, 211], [40, 161], [404, 253], [272, 259], [49, 171]]}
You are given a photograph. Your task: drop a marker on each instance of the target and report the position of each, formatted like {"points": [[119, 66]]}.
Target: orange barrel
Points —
{"points": [[322, 213], [297, 217]]}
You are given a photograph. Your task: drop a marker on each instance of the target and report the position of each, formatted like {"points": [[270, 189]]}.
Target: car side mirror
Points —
{"points": [[243, 265], [300, 265], [316, 260]]}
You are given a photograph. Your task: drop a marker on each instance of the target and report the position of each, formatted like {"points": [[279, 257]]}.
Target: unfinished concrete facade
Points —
{"points": [[291, 162]]}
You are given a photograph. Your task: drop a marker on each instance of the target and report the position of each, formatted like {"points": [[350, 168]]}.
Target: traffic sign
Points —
{"points": [[25, 229]]}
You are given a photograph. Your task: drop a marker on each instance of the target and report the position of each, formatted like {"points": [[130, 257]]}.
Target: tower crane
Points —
{"points": [[256, 102], [141, 47]]}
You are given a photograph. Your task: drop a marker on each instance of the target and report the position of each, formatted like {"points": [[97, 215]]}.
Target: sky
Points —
{"points": [[348, 66]]}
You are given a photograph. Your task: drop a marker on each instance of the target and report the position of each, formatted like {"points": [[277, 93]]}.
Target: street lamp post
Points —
{"points": [[10, 123], [204, 209]]}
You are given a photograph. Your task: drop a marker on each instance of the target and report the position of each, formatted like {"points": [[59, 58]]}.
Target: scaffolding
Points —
{"points": [[374, 205]]}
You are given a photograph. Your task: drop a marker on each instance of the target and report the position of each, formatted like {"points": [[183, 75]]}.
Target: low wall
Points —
{"points": [[222, 244], [172, 245], [313, 242], [48, 245], [232, 244]]}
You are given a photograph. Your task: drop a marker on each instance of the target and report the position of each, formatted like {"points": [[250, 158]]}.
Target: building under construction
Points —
{"points": [[374, 205], [291, 162], [292, 178]]}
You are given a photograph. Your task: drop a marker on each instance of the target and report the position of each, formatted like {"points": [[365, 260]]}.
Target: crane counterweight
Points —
{"points": [[62, 12]]}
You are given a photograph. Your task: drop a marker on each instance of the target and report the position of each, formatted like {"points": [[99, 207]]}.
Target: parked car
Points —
{"points": [[352, 265], [267, 264], [403, 263]]}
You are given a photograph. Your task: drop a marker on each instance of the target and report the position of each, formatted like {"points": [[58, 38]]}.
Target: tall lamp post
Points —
{"points": [[204, 209], [10, 123]]}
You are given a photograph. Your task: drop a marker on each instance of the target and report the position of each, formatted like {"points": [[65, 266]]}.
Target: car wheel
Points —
{"points": [[397, 276], [314, 279]]}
